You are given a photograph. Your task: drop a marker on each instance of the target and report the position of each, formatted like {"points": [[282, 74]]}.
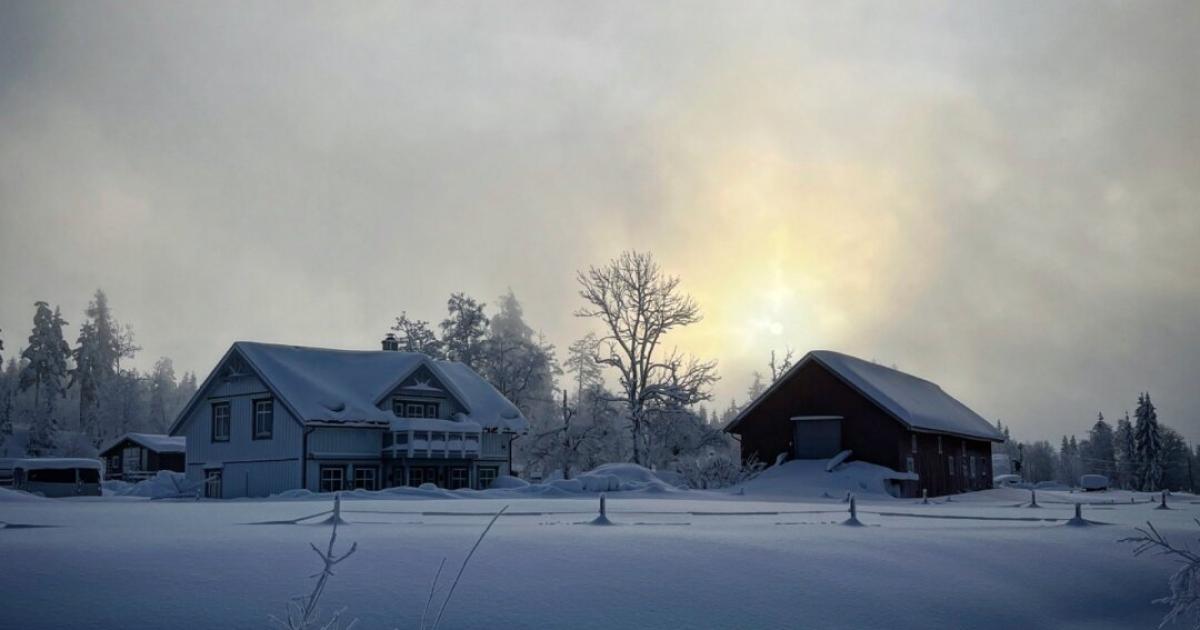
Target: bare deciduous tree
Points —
{"points": [[638, 305]]}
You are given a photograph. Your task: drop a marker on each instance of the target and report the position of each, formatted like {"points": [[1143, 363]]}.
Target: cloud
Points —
{"points": [[1001, 200]]}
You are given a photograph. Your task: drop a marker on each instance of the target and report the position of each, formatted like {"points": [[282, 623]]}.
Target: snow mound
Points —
{"points": [[621, 478], [164, 485], [7, 495], [505, 482], [807, 478]]}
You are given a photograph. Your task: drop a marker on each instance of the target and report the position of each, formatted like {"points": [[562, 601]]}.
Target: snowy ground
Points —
{"points": [[676, 559]]}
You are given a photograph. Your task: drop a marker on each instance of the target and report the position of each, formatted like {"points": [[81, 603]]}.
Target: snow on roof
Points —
{"points": [[154, 441], [916, 402], [324, 385], [46, 463]]}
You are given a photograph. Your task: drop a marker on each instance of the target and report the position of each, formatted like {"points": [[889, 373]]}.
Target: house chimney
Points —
{"points": [[390, 343]]}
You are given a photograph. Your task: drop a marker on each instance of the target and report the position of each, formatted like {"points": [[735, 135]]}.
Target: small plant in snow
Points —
{"points": [[1184, 599], [303, 611], [437, 619]]}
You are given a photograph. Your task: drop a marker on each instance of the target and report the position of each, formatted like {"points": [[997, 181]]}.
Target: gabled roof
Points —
{"points": [[917, 403], [321, 385], [156, 442]]}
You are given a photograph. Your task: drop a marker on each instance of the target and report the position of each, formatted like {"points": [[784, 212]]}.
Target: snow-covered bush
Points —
{"points": [[718, 471], [1184, 599]]}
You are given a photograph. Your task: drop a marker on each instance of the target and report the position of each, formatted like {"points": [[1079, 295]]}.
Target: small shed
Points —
{"points": [[137, 456]]}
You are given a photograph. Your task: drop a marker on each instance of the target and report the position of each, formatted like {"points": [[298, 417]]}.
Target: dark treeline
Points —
{"points": [[1138, 453], [63, 398]]}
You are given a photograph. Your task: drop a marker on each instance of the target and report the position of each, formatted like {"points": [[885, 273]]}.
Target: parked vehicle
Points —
{"points": [[1092, 483], [52, 477]]}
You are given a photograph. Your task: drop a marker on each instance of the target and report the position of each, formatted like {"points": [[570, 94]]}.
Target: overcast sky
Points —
{"points": [[1002, 198]]}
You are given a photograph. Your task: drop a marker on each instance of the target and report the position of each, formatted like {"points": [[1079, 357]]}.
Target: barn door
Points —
{"points": [[816, 437]]}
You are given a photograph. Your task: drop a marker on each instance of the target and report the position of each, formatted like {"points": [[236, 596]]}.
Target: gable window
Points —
{"points": [[414, 408], [364, 478], [333, 479], [264, 419], [220, 422]]}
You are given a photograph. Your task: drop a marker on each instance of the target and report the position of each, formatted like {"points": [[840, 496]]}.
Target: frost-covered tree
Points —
{"points": [[8, 389], [515, 361], [45, 371], [1176, 460], [1148, 445], [637, 306], [779, 366], [581, 364], [415, 335], [465, 329], [1039, 463], [756, 386], [98, 352], [1126, 452]]}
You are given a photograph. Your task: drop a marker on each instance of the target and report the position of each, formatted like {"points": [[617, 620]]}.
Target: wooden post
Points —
{"points": [[1163, 505], [1033, 498], [925, 496], [602, 511]]}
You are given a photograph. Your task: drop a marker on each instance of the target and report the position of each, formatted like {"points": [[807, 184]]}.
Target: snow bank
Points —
{"points": [[807, 478], [164, 485], [7, 495], [505, 482]]}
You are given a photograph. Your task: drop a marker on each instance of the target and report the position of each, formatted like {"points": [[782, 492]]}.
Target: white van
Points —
{"points": [[52, 476]]}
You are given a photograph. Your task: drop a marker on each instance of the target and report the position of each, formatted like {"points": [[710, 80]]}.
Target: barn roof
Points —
{"points": [[917, 403], [321, 385], [156, 442]]}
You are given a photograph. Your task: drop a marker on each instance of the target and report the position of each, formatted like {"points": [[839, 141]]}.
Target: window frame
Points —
{"points": [[914, 442], [321, 481], [480, 473], [950, 461], [228, 421], [451, 482], [255, 434], [408, 408], [911, 464], [374, 481]]}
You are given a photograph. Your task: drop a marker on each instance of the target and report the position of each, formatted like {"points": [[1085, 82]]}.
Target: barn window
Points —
{"points": [[914, 442], [973, 472], [939, 445], [264, 419], [950, 460], [333, 478], [364, 478], [912, 465], [220, 422]]}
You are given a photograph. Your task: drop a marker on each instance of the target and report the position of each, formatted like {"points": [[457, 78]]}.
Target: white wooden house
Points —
{"points": [[271, 418]]}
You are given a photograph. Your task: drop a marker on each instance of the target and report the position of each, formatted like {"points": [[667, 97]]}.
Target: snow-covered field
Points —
{"points": [[772, 557]]}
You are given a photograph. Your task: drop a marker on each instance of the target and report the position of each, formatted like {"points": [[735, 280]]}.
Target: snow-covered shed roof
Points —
{"points": [[321, 385], [156, 442], [49, 463], [917, 403]]}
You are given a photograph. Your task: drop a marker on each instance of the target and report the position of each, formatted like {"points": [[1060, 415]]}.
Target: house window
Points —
{"points": [[458, 478], [950, 460], [414, 409], [486, 477], [939, 445], [220, 422], [264, 419], [914, 443], [912, 464], [364, 478], [333, 479], [212, 483]]}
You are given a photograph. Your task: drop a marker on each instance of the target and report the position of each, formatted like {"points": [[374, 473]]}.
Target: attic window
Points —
{"points": [[414, 408]]}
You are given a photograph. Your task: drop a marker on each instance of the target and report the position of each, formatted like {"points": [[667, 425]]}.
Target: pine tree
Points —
{"points": [[162, 394], [1148, 445], [1126, 451], [1101, 451], [414, 335], [44, 371], [97, 356]]}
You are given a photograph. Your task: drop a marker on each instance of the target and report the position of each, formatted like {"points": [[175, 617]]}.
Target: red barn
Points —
{"points": [[829, 402]]}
